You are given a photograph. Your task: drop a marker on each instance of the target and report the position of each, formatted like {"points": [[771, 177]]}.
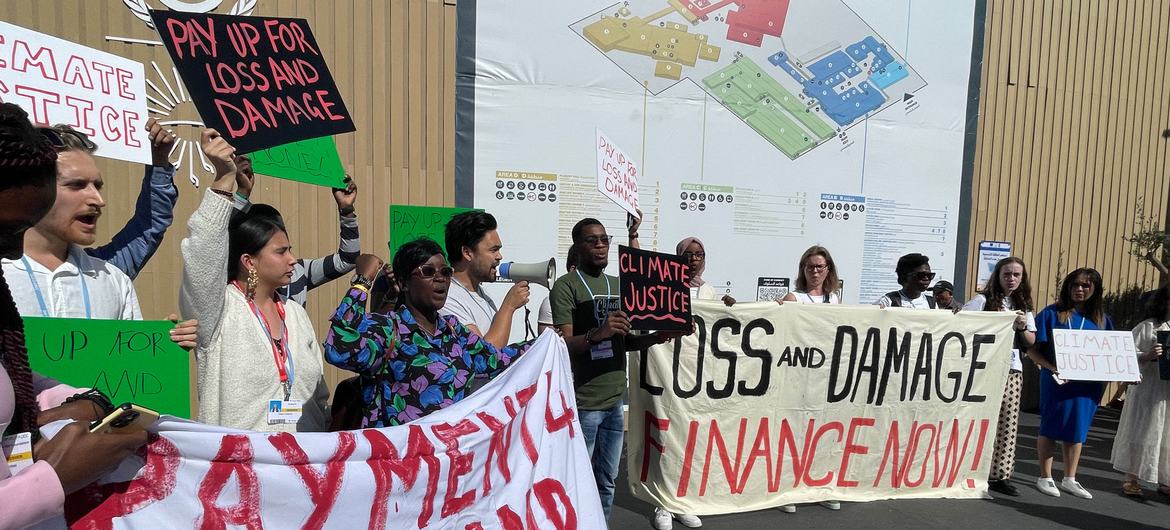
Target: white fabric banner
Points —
{"points": [[58, 81], [510, 456], [767, 405]]}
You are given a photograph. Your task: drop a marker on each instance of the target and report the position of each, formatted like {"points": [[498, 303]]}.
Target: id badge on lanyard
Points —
{"points": [[281, 354], [601, 309]]}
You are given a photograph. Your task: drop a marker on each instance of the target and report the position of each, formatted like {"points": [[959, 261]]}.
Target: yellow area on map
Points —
{"points": [[668, 43]]}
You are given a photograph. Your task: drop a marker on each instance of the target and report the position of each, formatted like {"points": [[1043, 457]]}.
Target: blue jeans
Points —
{"points": [[604, 430]]}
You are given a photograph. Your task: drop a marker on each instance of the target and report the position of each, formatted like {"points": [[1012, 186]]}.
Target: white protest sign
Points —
{"points": [[95, 92], [990, 252], [1092, 355], [511, 456], [617, 175]]}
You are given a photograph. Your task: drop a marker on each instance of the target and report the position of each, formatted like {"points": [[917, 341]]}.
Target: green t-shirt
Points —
{"points": [[598, 376]]}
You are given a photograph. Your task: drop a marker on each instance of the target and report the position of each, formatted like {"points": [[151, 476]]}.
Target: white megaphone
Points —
{"points": [[541, 272]]}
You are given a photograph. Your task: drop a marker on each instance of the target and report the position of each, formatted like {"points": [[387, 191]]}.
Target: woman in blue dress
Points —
{"points": [[1067, 407]]}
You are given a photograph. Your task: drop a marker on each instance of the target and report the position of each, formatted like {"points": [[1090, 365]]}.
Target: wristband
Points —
{"points": [[347, 211], [96, 397], [589, 336], [223, 193]]}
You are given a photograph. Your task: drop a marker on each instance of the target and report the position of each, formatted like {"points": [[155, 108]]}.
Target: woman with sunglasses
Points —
{"points": [[816, 281], [914, 276], [1067, 407], [412, 361], [254, 350], [1008, 290]]}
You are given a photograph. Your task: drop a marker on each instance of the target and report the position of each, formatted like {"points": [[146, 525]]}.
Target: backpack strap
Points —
{"points": [[930, 302], [895, 298]]}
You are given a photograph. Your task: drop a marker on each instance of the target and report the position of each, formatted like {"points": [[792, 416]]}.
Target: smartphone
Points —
{"points": [[126, 418]]}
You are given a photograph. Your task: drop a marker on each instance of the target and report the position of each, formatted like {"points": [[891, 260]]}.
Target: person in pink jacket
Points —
{"points": [[74, 457]]}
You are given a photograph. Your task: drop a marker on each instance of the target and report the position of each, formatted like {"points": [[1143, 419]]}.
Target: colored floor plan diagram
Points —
{"points": [[798, 72]]}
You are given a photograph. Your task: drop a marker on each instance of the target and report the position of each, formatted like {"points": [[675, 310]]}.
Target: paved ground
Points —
{"points": [[1033, 510]]}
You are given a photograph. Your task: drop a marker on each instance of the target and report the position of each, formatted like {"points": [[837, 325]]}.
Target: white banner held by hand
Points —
{"points": [[95, 92], [510, 456], [1092, 355], [617, 175]]}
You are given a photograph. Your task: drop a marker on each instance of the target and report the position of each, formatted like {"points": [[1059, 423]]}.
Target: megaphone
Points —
{"points": [[541, 272]]}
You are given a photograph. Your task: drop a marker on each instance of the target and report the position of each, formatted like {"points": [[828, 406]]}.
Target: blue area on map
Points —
{"points": [[835, 78]]}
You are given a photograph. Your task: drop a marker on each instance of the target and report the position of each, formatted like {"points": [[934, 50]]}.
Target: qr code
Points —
{"points": [[771, 289], [770, 294]]}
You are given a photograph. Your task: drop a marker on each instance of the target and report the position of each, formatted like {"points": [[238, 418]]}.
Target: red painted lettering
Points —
{"points": [[385, 462], [323, 488], [234, 457], [460, 464]]}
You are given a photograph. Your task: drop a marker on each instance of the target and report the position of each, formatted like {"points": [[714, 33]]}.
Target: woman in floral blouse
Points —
{"points": [[412, 361]]}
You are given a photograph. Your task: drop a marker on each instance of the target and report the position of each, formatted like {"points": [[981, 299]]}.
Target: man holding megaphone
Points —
{"points": [[474, 247]]}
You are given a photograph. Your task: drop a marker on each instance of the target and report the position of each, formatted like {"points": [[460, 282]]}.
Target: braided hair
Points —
{"points": [[26, 159]]}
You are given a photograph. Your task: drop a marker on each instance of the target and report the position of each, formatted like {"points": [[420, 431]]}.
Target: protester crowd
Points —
{"points": [[421, 332]]}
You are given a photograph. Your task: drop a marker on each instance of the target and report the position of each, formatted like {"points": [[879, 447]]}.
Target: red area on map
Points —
{"points": [[750, 22]]}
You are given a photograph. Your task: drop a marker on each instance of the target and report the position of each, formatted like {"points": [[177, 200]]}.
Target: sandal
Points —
{"points": [[1131, 488]]}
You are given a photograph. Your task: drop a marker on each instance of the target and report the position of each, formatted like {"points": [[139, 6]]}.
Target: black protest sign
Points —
{"points": [[655, 289], [260, 81]]}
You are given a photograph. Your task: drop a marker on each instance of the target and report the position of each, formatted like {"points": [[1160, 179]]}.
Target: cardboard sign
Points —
{"points": [[97, 93], [313, 161], [259, 81], [1093, 355], [655, 289], [510, 456], [617, 175], [129, 360], [408, 223], [766, 405]]}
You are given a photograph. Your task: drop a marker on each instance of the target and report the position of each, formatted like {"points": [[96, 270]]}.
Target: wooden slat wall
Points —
{"points": [[394, 61], [1075, 95], [1072, 107]]}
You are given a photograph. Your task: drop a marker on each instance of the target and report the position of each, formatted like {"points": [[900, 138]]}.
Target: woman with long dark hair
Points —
{"points": [[1008, 290], [259, 361], [1067, 407], [1141, 448], [74, 457]]}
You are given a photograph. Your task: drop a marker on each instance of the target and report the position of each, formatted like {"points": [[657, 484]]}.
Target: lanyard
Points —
{"points": [[608, 293], [1082, 320], [280, 353], [41, 296]]}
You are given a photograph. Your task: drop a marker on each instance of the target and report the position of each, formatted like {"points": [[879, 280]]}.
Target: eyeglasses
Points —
{"points": [[815, 268], [56, 137], [593, 240], [694, 255], [922, 275], [429, 271]]}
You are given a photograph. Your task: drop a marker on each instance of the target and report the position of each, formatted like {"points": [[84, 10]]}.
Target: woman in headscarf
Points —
{"points": [[693, 251]]}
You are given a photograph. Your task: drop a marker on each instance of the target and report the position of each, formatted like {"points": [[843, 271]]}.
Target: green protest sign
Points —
{"points": [[412, 222], [314, 161], [130, 360]]}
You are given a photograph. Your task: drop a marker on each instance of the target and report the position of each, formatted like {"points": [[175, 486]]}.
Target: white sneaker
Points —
{"points": [[1047, 486], [788, 508], [832, 505], [1072, 486], [688, 520], [662, 519]]}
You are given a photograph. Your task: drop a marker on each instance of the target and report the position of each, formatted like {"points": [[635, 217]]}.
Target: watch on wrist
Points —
{"points": [[358, 279], [589, 336], [345, 212]]}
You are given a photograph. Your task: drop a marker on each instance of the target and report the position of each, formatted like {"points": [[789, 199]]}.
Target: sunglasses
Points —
{"points": [[57, 139], [429, 271], [593, 240], [922, 275]]}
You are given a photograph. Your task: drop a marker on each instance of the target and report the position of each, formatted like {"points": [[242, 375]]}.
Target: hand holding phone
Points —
{"points": [[126, 418]]}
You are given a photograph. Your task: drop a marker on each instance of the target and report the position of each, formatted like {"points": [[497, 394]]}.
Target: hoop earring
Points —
{"points": [[253, 280]]}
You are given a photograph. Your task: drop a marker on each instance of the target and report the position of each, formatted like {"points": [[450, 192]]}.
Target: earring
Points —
{"points": [[252, 280]]}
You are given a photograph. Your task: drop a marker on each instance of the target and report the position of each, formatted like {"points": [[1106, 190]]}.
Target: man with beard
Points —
{"points": [[473, 248]]}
